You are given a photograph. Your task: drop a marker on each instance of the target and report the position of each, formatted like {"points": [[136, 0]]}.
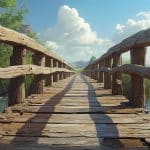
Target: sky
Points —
{"points": [[80, 29]]}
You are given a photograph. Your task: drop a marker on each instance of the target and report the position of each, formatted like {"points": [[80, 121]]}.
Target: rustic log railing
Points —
{"points": [[108, 68], [47, 67]]}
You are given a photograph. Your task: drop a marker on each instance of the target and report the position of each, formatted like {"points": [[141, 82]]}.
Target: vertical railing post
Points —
{"points": [[137, 82], [100, 74], [48, 78], [107, 76], [56, 74], [37, 86], [116, 77], [51, 75], [61, 73], [64, 73], [96, 72], [17, 85], [93, 73]]}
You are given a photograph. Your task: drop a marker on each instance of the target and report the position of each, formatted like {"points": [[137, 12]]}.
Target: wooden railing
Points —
{"points": [[47, 67], [108, 68]]}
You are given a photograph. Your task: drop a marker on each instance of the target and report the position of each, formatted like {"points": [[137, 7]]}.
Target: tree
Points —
{"points": [[93, 58], [11, 16]]}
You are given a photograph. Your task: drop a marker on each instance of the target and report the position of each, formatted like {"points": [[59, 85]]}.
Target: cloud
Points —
{"points": [[51, 45], [132, 26], [140, 22], [73, 38]]}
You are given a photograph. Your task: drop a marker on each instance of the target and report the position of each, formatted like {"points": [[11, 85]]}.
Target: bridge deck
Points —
{"points": [[76, 113]]}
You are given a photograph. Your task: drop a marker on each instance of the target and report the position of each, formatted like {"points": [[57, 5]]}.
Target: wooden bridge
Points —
{"points": [[63, 110]]}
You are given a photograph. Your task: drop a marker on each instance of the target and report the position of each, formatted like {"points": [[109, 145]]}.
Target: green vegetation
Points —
{"points": [[11, 16], [126, 85], [79, 70], [93, 58]]}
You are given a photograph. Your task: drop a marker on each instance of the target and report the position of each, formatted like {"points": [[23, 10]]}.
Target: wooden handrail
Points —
{"points": [[140, 39], [108, 68], [126, 69], [16, 71], [12, 37], [47, 67]]}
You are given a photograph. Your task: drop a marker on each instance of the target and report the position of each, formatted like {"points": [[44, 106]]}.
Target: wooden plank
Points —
{"points": [[72, 143], [66, 117], [12, 37], [15, 71], [77, 130], [76, 118], [140, 39], [73, 109]]}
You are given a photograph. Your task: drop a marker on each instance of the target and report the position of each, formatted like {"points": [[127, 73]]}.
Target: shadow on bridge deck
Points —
{"points": [[29, 135]]}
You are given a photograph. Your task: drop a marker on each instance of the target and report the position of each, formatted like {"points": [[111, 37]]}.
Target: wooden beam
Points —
{"points": [[100, 74], [17, 85], [116, 77], [137, 82], [107, 77], [37, 85], [12, 37]]}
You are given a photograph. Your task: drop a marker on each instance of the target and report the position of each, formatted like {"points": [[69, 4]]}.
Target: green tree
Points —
{"points": [[93, 58], [11, 16]]}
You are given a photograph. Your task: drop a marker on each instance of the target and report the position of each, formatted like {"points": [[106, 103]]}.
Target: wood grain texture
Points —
{"points": [[140, 39], [15, 71], [127, 69], [13, 38], [75, 113]]}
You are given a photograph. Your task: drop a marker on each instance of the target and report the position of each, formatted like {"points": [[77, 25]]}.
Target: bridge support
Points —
{"points": [[137, 82], [56, 74], [116, 77], [17, 85], [61, 73], [107, 77], [96, 72], [37, 85], [100, 74], [48, 77]]}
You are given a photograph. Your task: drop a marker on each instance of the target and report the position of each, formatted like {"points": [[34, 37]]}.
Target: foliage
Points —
{"points": [[79, 70], [93, 58], [7, 3], [11, 16], [126, 85]]}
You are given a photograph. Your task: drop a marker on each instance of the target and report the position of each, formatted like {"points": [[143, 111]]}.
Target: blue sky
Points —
{"points": [[109, 19]]}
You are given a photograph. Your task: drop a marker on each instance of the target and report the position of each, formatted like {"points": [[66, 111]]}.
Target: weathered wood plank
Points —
{"points": [[12, 37], [77, 130], [72, 143], [67, 116], [15, 71]]}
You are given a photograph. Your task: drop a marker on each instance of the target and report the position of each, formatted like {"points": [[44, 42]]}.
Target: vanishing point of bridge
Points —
{"points": [[61, 110]]}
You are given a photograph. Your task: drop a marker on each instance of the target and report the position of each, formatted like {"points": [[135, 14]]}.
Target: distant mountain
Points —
{"points": [[80, 64]]}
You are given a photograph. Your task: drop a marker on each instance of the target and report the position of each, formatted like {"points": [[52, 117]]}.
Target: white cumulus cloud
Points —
{"points": [[140, 22], [73, 38], [132, 26]]}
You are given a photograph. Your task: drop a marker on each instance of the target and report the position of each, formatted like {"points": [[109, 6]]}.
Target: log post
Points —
{"points": [[137, 82], [92, 73], [51, 75], [97, 66], [48, 77], [61, 73], [17, 85], [116, 77], [107, 77], [64, 73], [56, 74], [37, 86], [100, 74]]}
